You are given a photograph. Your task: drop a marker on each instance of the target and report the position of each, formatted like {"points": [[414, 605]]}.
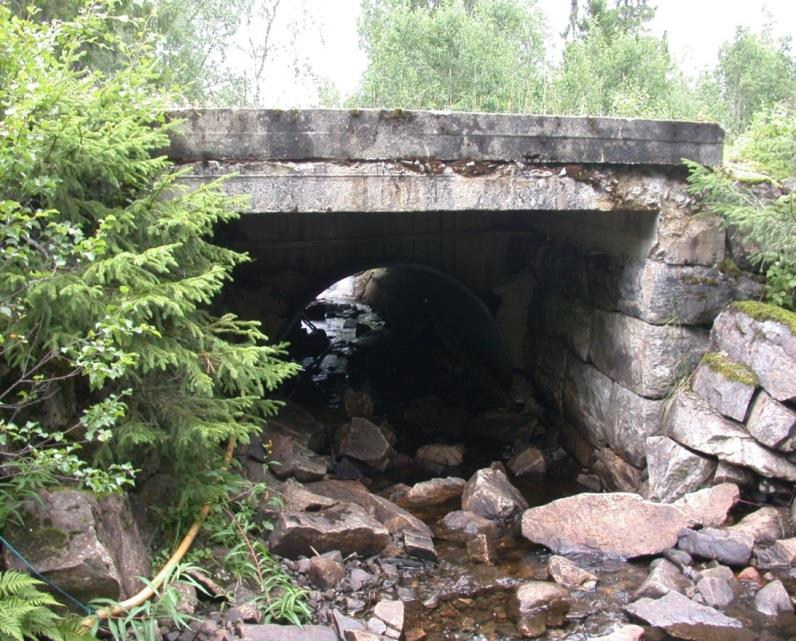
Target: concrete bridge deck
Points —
{"points": [[567, 249]]}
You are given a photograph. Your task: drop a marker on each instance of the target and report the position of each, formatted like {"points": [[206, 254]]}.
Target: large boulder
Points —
{"points": [[345, 527], [489, 494], [729, 548], [435, 491], [89, 545], [615, 525], [683, 618], [295, 421], [674, 470], [642, 357], [692, 423], [710, 507], [766, 525], [763, 337]]}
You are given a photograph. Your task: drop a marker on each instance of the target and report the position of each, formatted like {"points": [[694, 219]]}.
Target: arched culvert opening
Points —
{"points": [[421, 357]]}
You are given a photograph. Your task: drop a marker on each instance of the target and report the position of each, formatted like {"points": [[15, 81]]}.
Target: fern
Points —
{"points": [[27, 613]]}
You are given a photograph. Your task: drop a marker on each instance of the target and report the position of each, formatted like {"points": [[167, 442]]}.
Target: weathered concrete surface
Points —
{"points": [[373, 134]]}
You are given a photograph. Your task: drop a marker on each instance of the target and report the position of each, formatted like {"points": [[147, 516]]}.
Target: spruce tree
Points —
{"points": [[108, 268]]}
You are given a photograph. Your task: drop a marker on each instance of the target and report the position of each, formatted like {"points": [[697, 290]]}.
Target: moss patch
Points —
{"points": [[764, 312], [37, 540], [729, 369]]}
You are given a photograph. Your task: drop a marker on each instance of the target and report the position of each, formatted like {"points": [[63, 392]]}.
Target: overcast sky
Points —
{"points": [[695, 28]]}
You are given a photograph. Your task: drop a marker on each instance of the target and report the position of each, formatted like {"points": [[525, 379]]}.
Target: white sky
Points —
{"points": [[695, 28]]}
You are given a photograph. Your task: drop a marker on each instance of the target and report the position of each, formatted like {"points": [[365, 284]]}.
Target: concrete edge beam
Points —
{"points": [[374, 134]]}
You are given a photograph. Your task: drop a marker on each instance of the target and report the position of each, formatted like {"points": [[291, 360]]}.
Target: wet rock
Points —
{"points": [[536, 605], [625, 633], [716, 591], [297, 498], [663, 578], [88, 544], [710, 507], [772, 423], [773, 600], [616, 525], [781, 554], [392, 613], [433, 492], [731, 548], [616, 474], [489, 494], [571, 576], [416, 634], [419, 545], [326, 571], [357, 404], [364, 441], [683, 618], [674, 470], [273, 632], [767, 346], [680, 558], [726, 385], [766, 525], [530, 461], [436, 457], [395, 518], [290, 458], [482, 549], [460, 526], [344, 527], [692, 423]]}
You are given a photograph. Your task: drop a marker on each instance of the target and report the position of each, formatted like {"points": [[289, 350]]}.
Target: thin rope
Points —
{"points": [[87, 609]]}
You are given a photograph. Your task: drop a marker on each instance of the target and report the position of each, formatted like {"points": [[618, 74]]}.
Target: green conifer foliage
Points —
{"points": [[108, 267]]}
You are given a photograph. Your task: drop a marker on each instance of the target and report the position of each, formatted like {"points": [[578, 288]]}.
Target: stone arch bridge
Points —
{"points": [[564, 248]]}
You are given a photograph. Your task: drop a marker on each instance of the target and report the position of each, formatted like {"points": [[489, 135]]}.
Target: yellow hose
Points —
{"points": [[150, 590]]}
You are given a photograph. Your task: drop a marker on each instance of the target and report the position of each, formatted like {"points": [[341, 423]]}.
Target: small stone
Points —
{"points": [[663, 578], [363, 441], [325, 572], [680, 558], [459, 526], [419, 545], [528, 462], [272, 632], [750, 575], [773, 600], [436, 457], [481, 549], [343, 623], [489, 494], [392, 613], [537, 605], [710, 507], [362, 635], [416, 634], [376, 625], [434, 492], [359, 579], [731, 548], [717, 592], [571, 576], [781, 554]]}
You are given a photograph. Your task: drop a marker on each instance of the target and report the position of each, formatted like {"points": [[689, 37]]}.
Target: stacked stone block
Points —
{"points": [[738, 416]]}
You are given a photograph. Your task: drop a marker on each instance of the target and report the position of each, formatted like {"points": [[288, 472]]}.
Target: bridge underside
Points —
{"points": [[596, 280]]}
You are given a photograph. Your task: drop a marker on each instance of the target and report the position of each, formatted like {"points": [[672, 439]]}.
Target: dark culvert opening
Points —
{"points": [[420, 356]]}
